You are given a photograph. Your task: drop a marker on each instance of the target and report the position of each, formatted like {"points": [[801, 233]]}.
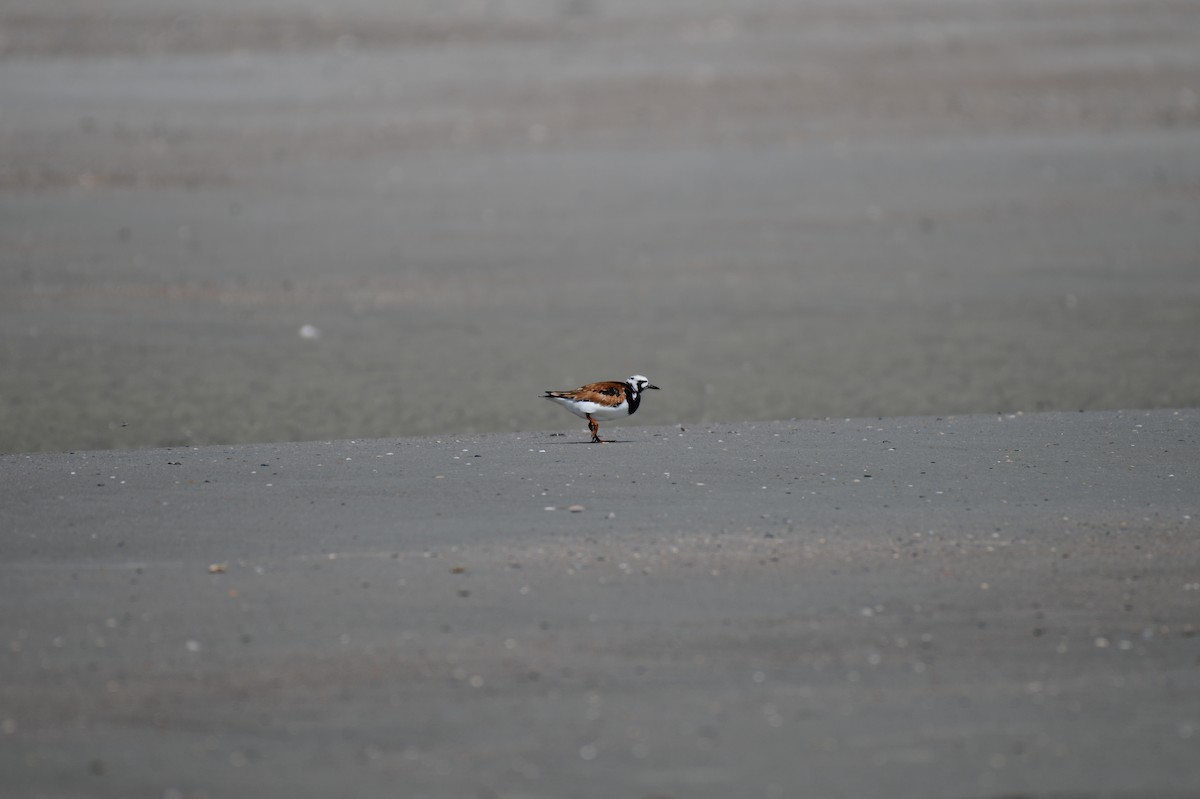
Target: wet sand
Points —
{"points": [[775, 211], [918, 608]]}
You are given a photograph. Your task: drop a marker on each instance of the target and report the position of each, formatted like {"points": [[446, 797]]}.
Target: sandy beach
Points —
{"points": [[774, 210], [281, 512], [923, 608]]}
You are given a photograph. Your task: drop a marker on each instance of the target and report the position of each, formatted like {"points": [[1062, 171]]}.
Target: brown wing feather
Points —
{"points": [[608, 392]]}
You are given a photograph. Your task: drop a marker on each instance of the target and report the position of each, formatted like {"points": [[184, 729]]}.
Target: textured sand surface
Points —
{"points": [[917, 608], [774, 210]]}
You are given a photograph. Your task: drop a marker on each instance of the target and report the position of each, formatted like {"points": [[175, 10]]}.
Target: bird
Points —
{"points": [[600, 402]]}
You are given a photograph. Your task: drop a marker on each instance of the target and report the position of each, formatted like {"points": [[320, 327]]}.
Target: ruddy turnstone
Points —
{"points": [[610, 399]]}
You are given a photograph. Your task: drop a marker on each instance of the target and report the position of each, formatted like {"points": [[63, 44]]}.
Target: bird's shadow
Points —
{"points": [[606, 441]]}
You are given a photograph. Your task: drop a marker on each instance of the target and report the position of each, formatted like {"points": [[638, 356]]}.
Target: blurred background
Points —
{"points": [[258, 220]]}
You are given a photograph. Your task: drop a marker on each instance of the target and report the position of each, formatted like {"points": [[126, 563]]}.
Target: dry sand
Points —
{"points": [[922, 608], [774, 210]]}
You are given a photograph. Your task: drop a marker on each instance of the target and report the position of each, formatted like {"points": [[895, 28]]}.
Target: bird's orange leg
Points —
{"points": [[595, 428]]}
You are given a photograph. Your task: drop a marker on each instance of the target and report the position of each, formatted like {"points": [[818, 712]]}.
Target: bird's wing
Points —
{"points": [[609, 392]]}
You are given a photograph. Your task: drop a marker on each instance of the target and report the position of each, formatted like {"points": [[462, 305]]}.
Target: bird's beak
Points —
{"points": [[653, 387]]}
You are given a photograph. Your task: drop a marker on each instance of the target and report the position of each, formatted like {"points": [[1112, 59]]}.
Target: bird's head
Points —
{"points": [[639, 383]]}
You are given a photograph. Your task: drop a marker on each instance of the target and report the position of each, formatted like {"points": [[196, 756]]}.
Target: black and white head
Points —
{"points": [[639, 383]]}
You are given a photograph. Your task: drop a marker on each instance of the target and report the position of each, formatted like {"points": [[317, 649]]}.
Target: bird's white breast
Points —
{"points": [[601, 413]]}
